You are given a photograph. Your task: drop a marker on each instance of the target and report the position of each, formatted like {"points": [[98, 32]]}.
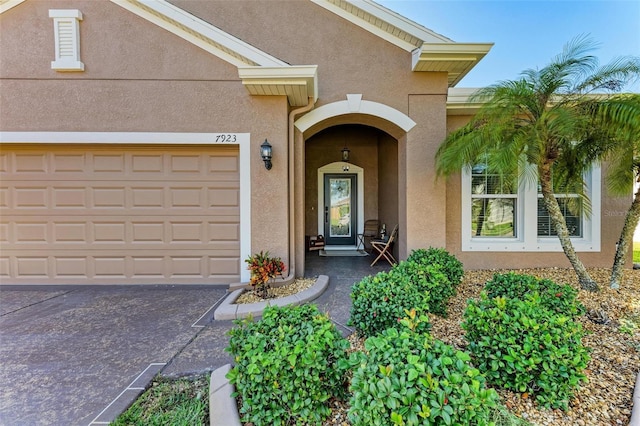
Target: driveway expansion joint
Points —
{"points": [[128, 395]]}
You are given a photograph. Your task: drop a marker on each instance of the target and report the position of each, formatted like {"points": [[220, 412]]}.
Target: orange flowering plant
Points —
{"points": [[264, 268]]}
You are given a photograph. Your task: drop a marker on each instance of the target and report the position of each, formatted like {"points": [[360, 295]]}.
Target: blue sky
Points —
{"points": [[527, 34]]}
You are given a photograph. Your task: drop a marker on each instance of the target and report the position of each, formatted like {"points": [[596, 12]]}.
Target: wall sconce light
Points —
{"points": [[345, 154], [265, 152]]}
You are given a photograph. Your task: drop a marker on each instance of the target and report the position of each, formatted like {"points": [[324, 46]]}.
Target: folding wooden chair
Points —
{"points": [[385, 248], [370, 231]]}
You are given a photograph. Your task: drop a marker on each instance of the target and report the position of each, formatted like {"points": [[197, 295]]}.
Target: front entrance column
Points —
{"points": [[425, 196]]}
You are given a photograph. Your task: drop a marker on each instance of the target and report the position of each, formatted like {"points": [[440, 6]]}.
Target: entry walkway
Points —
{"points": [[79, 355]]}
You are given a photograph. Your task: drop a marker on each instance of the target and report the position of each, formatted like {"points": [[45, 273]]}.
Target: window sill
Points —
{"points": [[540, 245]]}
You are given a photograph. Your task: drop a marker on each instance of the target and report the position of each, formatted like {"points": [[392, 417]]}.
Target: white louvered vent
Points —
{"points": [[66, 30]]}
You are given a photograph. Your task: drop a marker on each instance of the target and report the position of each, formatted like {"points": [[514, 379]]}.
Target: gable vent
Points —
{"points": [[66, 30]]}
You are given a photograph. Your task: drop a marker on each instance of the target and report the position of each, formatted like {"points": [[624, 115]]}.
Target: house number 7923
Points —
{"points": [[226, 138]]}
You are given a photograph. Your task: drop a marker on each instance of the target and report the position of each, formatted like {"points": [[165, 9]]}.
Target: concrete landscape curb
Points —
{"points": [[229, 310], [635, 412], [223, 410]]}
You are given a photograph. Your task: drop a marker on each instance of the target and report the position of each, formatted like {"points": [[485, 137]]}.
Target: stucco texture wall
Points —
{"points": [[140, 78], [350, 59]]}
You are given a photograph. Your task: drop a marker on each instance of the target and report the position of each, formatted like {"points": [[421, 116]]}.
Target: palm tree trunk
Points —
{"points": [[630, 223], [558, 221], [483, 211]]}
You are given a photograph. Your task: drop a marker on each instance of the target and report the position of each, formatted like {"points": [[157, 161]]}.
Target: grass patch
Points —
{"points": [[636, 252], [170, 402]]}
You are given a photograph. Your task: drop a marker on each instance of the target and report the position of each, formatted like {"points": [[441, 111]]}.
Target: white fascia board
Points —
{"points": [[365, 25], [400, 22], [294, 75], [453, 55], [221, 44], [288, 72], [459, 101], [8, 4], [450, 52]]}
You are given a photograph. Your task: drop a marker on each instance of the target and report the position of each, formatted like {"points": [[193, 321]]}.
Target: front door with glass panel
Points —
{"points": [[340, 209]]}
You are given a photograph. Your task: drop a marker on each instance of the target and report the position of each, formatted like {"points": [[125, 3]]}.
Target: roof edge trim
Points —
{"points": [[457, 59], [8, 4], [459, 103], [199, 32], [297, 82], [388, 25]]}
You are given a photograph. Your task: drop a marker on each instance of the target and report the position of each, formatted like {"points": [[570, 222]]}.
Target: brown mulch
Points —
{"points": [[606, 399]]}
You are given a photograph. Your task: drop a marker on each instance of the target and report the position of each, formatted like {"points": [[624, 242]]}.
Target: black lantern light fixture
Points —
{"points": [[345, 154], [265, 152]]}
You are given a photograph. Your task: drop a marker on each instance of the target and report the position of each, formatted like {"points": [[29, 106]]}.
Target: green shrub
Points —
{"points": [[287, 366], [431, 270], [380, 301], [407, 378], [561, 299], [449, 264], [521, 345]]}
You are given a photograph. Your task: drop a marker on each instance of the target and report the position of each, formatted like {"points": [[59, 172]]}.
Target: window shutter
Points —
{"points": [[66, 30]]}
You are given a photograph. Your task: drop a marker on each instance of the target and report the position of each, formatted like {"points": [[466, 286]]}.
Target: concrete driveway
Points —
{"points": [[79, 355]]}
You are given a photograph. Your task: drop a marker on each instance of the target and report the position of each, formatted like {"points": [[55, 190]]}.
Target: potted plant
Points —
{"points": [[264, 269]]}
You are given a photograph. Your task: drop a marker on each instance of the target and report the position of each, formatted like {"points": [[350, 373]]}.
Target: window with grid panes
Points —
{"points": [[570, 206], [493, 203]]}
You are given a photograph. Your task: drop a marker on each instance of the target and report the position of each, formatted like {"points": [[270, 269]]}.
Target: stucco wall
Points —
{"points": [[113, 43], [350, 59], [426, 196], [140, 78]]}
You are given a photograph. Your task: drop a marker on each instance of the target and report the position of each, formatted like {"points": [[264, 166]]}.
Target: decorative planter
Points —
{"points": [[228, 309]]}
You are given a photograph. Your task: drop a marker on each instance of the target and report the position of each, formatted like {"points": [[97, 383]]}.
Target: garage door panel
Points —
{"points": [[120, 199], [90, 162], [67, 233], [130, 215], [76, 267]]}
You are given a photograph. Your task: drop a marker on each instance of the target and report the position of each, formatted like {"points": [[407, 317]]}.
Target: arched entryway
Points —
{"points": [[376, 136], [370, 178]]}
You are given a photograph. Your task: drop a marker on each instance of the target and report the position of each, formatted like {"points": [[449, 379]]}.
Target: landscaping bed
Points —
{"points": [[298, 285], [606, 399]]}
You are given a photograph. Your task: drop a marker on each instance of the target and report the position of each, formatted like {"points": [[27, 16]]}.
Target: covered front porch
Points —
{"points": [[351, 177]]}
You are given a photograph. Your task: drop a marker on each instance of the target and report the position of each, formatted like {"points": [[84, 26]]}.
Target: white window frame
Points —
{"points": [[527, 221], [66, 30]]}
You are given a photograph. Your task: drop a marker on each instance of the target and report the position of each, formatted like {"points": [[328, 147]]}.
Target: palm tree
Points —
{"points": [[630, 222], [623, 154], [544, 126]]}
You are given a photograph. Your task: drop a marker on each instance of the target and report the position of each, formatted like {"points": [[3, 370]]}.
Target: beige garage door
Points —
{"points": [[119, 215]]}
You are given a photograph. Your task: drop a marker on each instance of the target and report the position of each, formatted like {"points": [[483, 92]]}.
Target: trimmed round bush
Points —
{"points": [[449, 264], [520, 344], [407, 378], [561, 299], [434, 271], [287, 366], [381, 300]]}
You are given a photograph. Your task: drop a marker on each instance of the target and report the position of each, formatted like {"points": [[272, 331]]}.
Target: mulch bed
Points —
{"points": [[606, 399], [275, 292]]}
